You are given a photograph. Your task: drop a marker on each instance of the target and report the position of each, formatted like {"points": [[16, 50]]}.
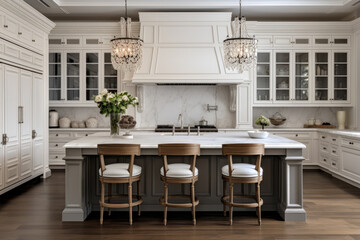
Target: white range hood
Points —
{"points": [[184, 47]]}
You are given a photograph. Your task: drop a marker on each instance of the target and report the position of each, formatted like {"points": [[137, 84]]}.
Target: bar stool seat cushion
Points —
{"points": [[178, 170], [242, 170], [120, 170]]}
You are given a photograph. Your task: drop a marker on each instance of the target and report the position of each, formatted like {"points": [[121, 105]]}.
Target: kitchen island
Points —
{"points": [[281, 189]]}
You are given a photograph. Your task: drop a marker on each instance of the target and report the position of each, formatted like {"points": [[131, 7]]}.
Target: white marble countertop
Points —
{"points": [[206, 140]]}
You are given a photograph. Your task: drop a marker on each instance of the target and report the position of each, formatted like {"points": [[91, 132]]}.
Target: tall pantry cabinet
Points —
{"points": [[23, 68]]}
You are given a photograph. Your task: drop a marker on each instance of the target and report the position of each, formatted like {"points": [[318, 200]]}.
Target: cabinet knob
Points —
{"points": [[334, 164], [56, 135], [296, 135], [86, 135], [334, 139], [334, 151], [19, 33], [56, 157], [324, 160], [56, 145], [324, 148], [6, 26], [323, 137], [33, 40]]}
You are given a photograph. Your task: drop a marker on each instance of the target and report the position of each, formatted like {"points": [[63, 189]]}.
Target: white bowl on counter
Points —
{"points": [[258, 134]]}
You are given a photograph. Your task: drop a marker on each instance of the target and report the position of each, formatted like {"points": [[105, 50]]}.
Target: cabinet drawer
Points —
{"points": [[350, 143], [56, 157], [26, 56], [334, 151], [80, 135], [60, 135], [12, 50], [334, 164], [295, 135], [324, 160], [333, 139], [324, 148], [56, 146]]}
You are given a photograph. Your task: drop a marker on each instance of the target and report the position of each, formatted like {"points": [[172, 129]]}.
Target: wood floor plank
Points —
{"points": [[33, 211]]}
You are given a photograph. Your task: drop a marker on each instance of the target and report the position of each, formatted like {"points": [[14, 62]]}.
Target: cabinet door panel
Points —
{"points": [[1, 125], [322, 76], [26, 125], [11, 127], [350, 163], [55, 76], [38, 122], [341, 76], [11, 27]]}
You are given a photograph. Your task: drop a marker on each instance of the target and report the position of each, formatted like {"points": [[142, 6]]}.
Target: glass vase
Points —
{"points": [[114, 124]]}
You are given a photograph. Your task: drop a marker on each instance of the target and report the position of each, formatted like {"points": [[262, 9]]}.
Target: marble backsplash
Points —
{"points": [[296, 117], [163, 104]]}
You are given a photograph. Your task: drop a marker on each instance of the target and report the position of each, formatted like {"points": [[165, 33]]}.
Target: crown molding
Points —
{"points": [[28, 14]]}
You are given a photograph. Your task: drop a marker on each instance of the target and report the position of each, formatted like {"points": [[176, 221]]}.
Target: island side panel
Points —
{"points": [[77, 206], [291, 197]]}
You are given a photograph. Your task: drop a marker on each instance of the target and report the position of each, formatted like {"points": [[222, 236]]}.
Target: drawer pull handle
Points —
{"points": [[33, 40], [334, 151], [6, 26], [296, 135], [324, 160], [334, 139], [334, 164], [323, 137], [351, 143], [57, 135], [56, 156], [19, 33], [86, 135], [56, 145], [324, 148]]}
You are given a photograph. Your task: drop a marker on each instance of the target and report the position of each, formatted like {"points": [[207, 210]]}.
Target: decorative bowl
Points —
{"points": [[277, 119], [258, 134]]}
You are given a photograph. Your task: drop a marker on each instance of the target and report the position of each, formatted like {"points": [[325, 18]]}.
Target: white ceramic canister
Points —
{"points": [[64, 122], [341, 119], [91, 122]]}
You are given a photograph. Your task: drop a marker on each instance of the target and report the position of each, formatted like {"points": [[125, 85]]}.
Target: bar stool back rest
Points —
{"points": [[176, 149], [131, 150], [118, 150], [165, 150], [251, 149]]}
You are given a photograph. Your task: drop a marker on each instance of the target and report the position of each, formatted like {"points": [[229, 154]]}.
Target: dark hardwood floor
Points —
{"points": [[33, 211]]}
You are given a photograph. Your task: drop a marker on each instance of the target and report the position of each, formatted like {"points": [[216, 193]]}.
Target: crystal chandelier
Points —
{"points": [[240, 51], [126, 51]]}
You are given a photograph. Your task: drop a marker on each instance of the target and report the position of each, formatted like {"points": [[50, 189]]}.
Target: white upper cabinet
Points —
{"points": [[292, 41], [331, 41]]}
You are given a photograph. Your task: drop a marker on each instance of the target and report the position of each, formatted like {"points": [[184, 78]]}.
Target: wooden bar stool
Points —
{"points": [[119, 173], [179, 173], [242, 173]]}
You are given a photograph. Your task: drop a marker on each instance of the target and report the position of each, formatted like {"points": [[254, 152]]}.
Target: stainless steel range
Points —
{"points": [[169, 128]]}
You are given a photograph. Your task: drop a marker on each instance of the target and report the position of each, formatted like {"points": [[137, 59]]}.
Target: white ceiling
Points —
{"points": [[261, 10]]}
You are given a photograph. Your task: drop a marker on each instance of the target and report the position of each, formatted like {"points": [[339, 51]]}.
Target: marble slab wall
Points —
{"points": [[163, 104], [296, 117]]}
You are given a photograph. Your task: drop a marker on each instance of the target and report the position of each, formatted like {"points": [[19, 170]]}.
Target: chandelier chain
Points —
{"points": [[126, 9]]}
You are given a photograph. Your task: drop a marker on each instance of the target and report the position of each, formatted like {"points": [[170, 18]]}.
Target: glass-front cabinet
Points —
{"points": [[302, 77], [263, 76], [76, 76], [92, 75], [110, 74]]}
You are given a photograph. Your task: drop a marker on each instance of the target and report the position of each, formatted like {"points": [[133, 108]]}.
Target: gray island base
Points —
{"points": [[281, 189]]}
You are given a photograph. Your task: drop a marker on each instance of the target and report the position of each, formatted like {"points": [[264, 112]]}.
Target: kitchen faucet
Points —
{"points": [[180, 118]]}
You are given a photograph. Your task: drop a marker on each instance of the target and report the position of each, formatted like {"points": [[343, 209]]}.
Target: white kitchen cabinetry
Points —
{"points": [[292, 41], [59, 137], [76, 76], [23, 44], [283, 78], [331, 41], [303, 78], [306, 138]]}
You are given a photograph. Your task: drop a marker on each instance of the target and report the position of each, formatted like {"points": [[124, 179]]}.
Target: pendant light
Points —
{"points": [[126, 51], [240, 51]]}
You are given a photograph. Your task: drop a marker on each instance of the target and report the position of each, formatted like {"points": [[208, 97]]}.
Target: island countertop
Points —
{"points": [[206, 140]]}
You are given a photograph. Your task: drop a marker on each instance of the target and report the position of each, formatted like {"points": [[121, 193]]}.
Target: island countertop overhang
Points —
{"points": [[206, 140]]}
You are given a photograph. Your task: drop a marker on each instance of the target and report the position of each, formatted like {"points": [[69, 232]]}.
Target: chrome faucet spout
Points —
{"points": [[180, 118]]}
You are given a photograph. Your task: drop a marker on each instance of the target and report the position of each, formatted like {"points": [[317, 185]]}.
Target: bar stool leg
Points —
{"points": [[193, 202], [130, 203], [138, 196], [258, 209], [102, 202], [231, 201], [224, 193], [165, 202], [109, 194]]}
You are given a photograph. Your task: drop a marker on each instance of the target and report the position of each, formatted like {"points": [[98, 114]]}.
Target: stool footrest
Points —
{"points": [[121, 205], [225, 200], [178, 205]]}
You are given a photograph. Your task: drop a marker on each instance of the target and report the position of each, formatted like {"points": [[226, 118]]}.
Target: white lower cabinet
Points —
{"points": [[350, 156], [59, 137], [306, 138]]}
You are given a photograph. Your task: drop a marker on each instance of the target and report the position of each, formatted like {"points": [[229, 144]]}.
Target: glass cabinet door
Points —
{"points": [[55, 76], [92, 75], [282, 76], [73, 76], [110, 74], [301, 76], [263, 76], [321, 76], [340, 76]]}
